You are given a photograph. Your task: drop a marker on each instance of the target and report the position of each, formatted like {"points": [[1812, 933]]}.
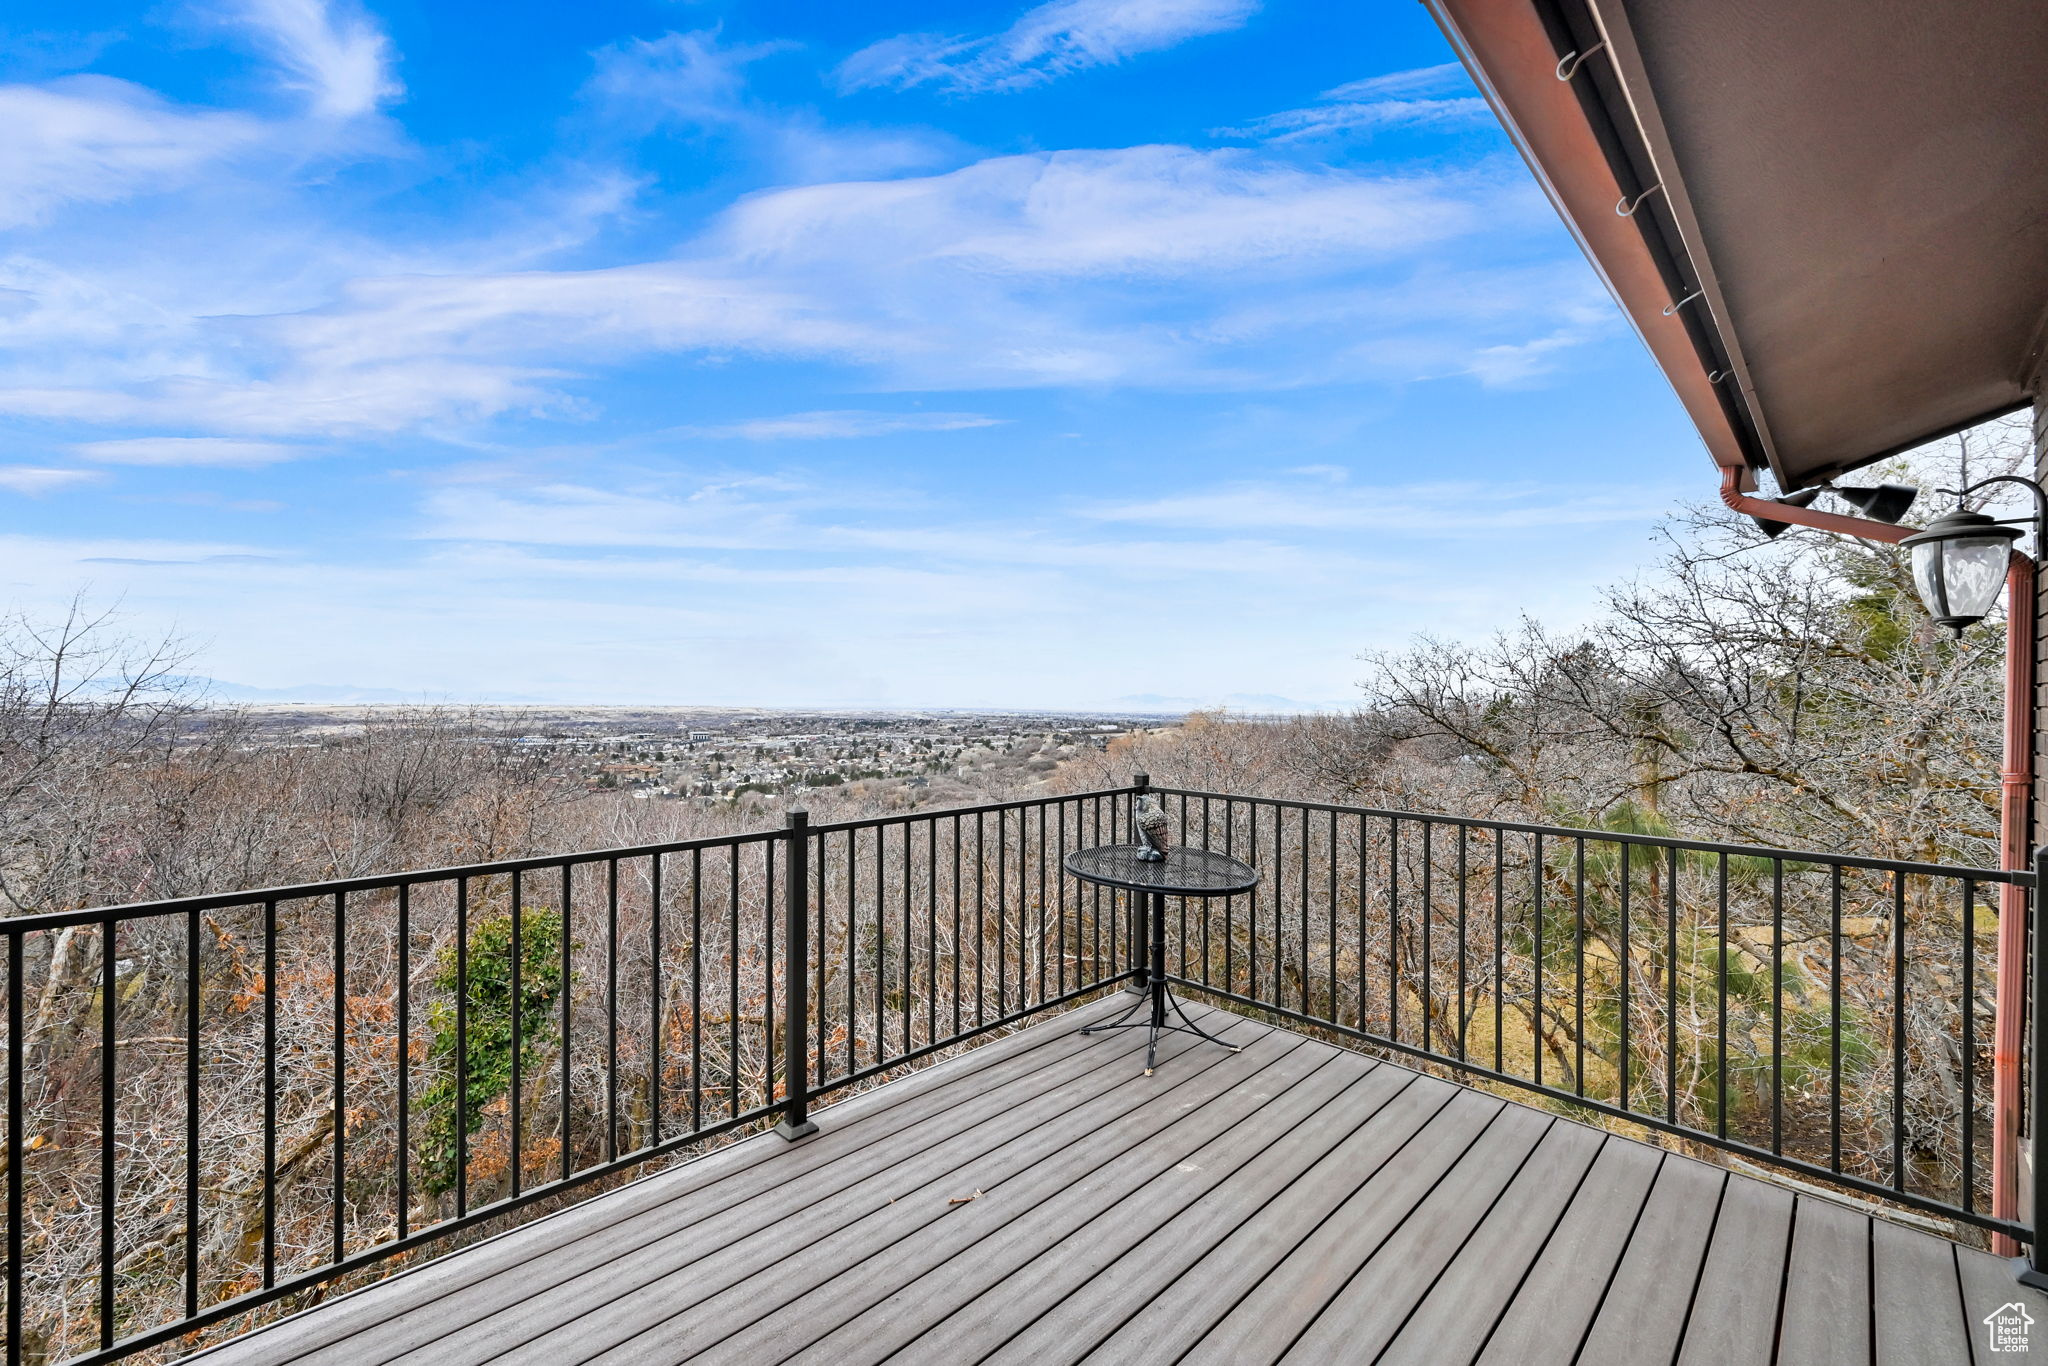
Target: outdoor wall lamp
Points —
{"points": [[1960, 559]]}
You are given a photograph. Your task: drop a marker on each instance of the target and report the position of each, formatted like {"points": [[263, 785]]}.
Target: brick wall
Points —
{"points": [[2040, 826]]}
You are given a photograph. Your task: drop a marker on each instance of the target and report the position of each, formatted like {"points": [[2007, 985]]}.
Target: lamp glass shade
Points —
{"points": [[1959, 565]]}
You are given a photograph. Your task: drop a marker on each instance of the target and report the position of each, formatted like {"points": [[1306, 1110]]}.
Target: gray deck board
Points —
{"points": [[1290, 1201], [1549, 1311], [1917, 1297], [1454, 1264], [1644, 1314], [1735, 1307], [1035, 1260], [1827, 1288]]}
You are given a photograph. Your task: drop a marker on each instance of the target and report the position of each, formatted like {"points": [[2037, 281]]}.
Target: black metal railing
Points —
{"points": [[1823, 1014], [218, 1102]]}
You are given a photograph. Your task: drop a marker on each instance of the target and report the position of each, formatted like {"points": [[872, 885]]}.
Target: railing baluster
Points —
{"points": [[611, 999], [957, 945], [192, 1003], [1394, 929], [269, 1094], [1834, 1018], [655, 1004], [1777, 1005], [796, 1116], [1002, 914], [1330, 996], [1536, 871], [17, 1212], [1579, 965], [1899, 1031], [1464, 873], [1430, 1033], [768, 1017], [696, 990], [1969, 1000], [881, 950], [980, 919], [403, 987], [1500, 981], [568, 989], [1626, 1002], [1721, 1018], [341, 1071], [109, 1177], [518, 1158], [1229, 903], [1671, 988], [853, 944], [732, 968], [908, 966]]}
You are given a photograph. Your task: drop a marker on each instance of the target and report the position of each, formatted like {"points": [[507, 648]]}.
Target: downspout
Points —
{"points": [[2016, 783], [1863, 527]]}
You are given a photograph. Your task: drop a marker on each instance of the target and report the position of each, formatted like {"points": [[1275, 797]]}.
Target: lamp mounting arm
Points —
{"points": [[2040, 517]]}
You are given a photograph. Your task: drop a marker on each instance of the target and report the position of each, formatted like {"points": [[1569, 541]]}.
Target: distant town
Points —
{"points": [[721, 754]]}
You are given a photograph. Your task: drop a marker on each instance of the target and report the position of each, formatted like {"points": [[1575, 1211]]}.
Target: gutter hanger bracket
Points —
{"points": [[1626, 207], [1672, 308], [1568, 65]]}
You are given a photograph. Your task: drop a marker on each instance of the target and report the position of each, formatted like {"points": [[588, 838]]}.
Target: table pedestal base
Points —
{"points": [[1156, 999]]}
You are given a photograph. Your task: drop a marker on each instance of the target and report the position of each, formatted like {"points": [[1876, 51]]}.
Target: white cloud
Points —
{"points": [[187, 450], [1047, 42], [331, 53], [1418, 509], [688, 78], [843, 423], [1427, 97], [94, 140], [1164, 265], [30, 479]]}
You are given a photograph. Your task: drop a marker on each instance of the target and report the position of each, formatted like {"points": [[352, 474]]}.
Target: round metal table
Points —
{"points": [[1183, 872]]}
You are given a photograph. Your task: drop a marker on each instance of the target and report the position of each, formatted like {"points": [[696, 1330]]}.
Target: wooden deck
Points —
{"points": [[1041, 1200]]}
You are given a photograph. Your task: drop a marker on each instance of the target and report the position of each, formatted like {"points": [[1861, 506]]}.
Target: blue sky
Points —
{"points": [[913, 353]]}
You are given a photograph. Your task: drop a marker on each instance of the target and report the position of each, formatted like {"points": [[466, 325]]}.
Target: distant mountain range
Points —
{"points": [[348, 694], [219, 690], [1258, 702]]}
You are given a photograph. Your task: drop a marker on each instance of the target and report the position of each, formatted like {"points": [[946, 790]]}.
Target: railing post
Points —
{"points": [[796, 950], [1134, 909], [2034, 1270]]}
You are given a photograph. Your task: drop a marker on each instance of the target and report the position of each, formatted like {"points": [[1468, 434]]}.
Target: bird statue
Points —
{"points": [[1153, 827]]}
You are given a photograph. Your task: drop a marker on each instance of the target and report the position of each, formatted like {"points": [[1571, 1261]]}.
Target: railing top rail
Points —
{"points": [[257, 896], [949, 812], [2016, 877]]}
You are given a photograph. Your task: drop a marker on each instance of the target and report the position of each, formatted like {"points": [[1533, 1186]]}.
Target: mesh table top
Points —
{"points": [[1183, 872]]}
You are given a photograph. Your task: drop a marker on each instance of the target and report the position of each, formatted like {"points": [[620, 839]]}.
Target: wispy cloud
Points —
{"points": [[331, 53], [95, 140], [1427, 97], [1047, 42], [845, 423], [1160, 265], [1441, 509], [34, 480], [188, 450], [688, 78]]}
